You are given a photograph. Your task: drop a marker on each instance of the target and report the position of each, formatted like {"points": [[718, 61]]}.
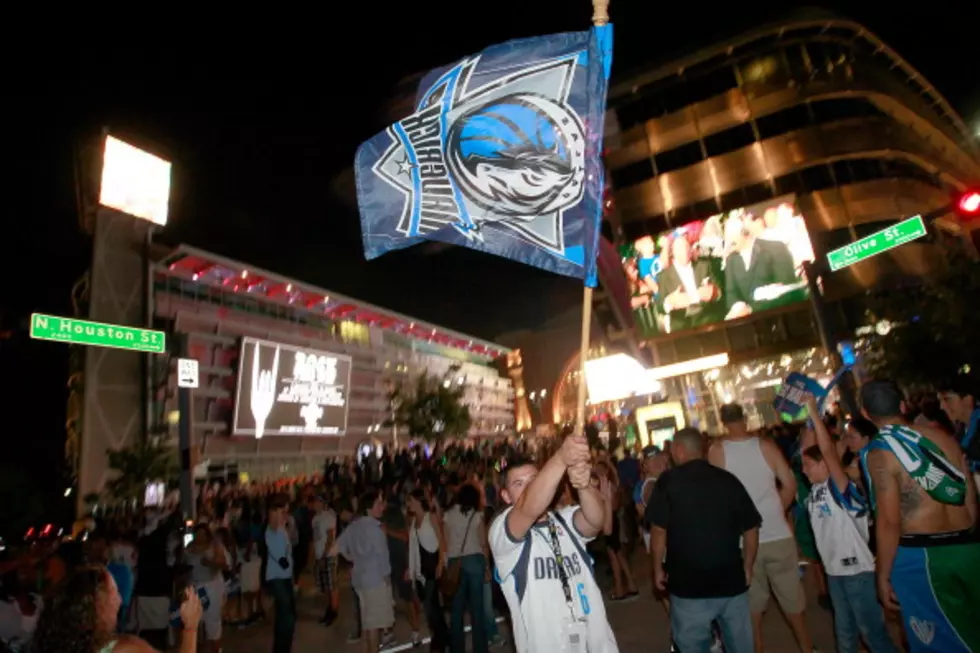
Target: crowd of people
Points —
{"points": [[881, 504]]}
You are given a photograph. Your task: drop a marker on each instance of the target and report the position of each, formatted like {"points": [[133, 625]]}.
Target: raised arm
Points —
{"points": [[595, 506], [539, 494], [828, 448]]}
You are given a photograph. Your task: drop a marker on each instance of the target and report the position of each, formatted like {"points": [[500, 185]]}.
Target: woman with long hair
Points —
{"points": [[82, 615], [468, 551], [426, 562]]}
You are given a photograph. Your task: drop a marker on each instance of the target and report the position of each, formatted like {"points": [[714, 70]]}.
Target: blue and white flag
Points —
{"points": [[502, 155]]}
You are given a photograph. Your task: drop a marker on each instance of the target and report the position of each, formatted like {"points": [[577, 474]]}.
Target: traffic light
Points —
{"points": [[968, 204]]}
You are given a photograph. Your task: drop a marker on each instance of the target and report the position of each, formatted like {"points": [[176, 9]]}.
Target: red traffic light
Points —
{"points": [[969, 203]]}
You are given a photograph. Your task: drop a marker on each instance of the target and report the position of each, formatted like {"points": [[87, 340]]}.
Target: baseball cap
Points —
{"points": [[650, 451]]}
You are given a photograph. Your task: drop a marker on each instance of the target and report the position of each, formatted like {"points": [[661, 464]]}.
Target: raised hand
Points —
{"points": [[263, 390], [191, 610], [574, 450]]}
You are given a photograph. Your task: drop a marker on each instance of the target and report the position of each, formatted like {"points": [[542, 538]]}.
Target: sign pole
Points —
{"points": [[184, 440], [600, 16]]}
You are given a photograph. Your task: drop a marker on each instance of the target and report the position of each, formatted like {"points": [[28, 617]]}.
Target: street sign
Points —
{"points": [[187, 373], [96, 334], [878, 242]]}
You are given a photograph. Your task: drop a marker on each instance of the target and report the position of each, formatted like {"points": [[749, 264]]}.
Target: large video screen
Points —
{"points": [[286, 390], [725, 267]]}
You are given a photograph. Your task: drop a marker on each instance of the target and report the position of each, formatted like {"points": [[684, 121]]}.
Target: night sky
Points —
{"points": [[260, 111]]}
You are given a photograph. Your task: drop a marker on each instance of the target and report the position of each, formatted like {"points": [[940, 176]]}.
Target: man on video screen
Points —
{"points": [[757, 271]]}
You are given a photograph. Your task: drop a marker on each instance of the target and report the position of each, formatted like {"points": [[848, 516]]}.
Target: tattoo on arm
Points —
{"points": [[882, 478], [909, 496]]}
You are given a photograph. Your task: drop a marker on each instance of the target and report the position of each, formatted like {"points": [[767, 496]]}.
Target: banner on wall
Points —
{"points": [[287, 390]]}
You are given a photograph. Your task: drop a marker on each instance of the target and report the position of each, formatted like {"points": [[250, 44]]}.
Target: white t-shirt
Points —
{"points": [[840, 528], [323, 523], [528, 575]]}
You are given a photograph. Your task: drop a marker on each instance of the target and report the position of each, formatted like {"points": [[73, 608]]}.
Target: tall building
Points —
{"points": [[808, 125]]}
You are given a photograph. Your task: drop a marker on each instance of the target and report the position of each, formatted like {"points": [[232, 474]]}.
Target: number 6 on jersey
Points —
{"points": [[583, 599]]}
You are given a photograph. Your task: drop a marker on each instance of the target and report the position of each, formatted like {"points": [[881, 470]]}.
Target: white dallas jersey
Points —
{"points": [[528, 575], [840, 528]]}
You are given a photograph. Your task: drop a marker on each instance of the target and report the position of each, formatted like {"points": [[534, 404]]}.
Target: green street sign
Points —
{"points": [[878, 242], [96, 334]]}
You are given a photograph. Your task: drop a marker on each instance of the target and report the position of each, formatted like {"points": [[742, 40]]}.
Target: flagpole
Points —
{"points": [[600, 16]]}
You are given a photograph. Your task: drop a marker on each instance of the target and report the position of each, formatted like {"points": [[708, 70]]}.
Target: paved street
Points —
{"points": [[639, 625]]}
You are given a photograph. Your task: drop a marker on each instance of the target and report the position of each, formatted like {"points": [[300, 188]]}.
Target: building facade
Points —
{"points": [[815, 110], [214, 302]]}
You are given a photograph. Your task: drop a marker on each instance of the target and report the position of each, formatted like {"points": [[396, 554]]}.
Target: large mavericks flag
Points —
{"points": [[502, 155]]}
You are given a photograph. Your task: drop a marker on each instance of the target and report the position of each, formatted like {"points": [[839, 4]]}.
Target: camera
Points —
{"points": [[283, 562]]}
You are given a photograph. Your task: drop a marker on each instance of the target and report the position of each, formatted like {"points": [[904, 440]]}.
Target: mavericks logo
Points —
{"points": [[508, 155]]}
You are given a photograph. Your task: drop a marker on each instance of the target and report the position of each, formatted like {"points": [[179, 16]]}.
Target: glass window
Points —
{"points": [[797, 65], [742, 337], [783, 121], [632, 173], [656, 224], [757, 192], [799, 324], [732, 200], [842, 172], [768, 331], [864, 170], [705, 208], [817, 52], [729, 140], [842, 109], [789, 183], [679, 157], [816, 178], [687, 348]]}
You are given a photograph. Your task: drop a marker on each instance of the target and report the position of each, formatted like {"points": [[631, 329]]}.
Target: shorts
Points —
{"points": [[325, 573], [211, 618], [251, 571], [777, 565], [935, 578], [377, 611]]}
